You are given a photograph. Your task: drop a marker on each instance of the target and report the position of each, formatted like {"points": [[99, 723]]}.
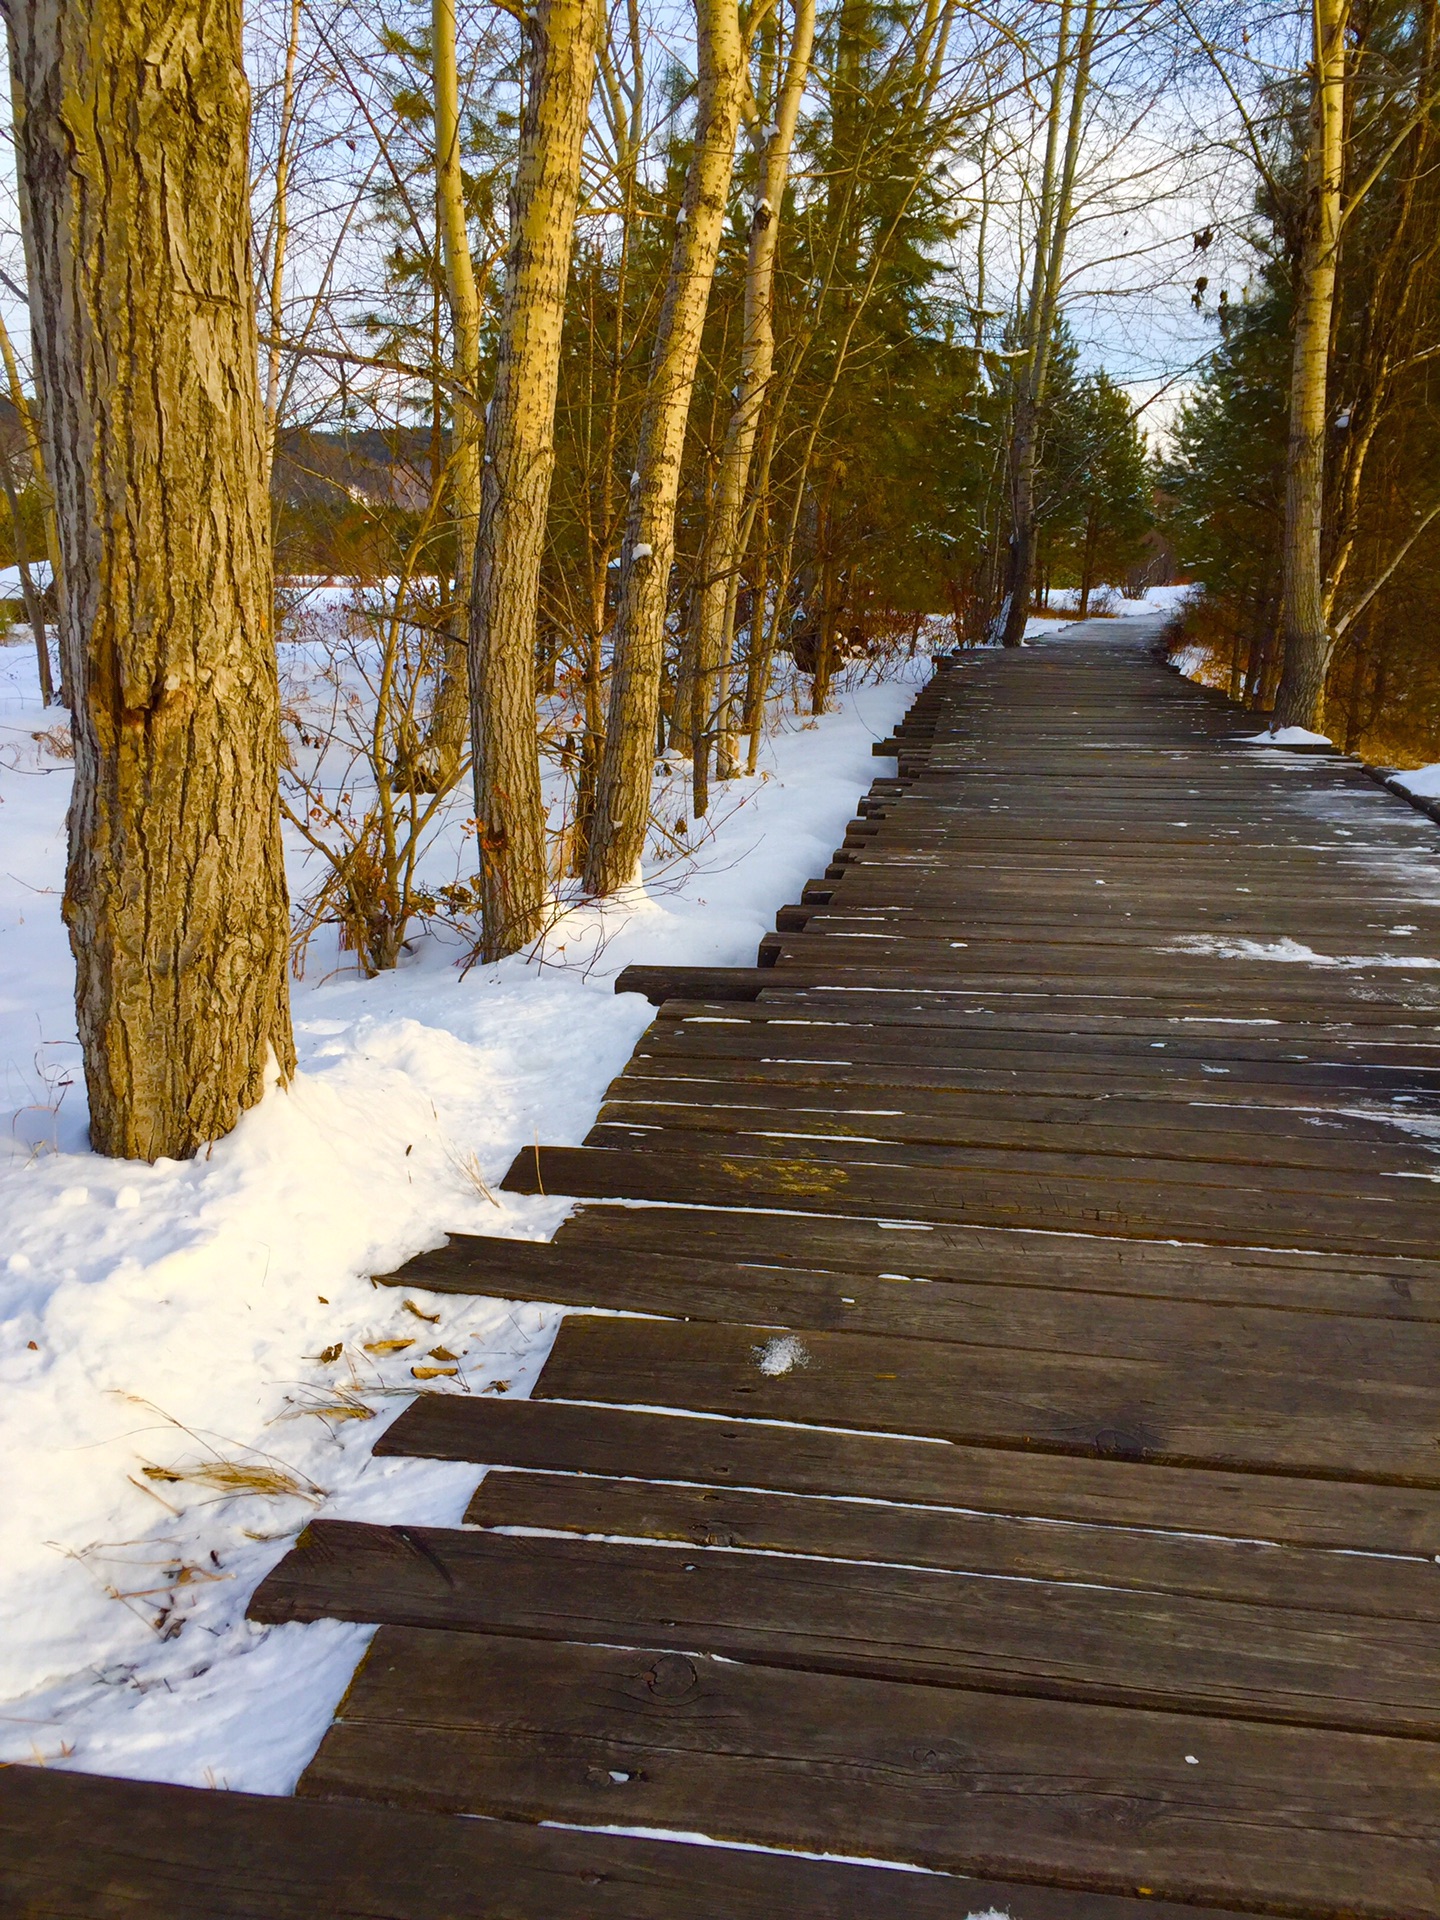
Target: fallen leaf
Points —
{"points": [[410, 1307], [434, 1373], [443, 1353], [387, 1346]]}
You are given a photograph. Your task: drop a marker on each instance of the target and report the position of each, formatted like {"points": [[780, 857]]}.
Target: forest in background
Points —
{"points": [[1222, 482], [620, 358]]}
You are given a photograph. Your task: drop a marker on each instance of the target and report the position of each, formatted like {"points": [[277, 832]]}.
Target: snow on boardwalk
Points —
{"points": [[1004, 1439]]}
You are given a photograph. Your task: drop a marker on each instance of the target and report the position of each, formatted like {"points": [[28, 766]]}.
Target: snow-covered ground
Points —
{"points": [[1423, 782], [193, 1358], [1110, 604]]}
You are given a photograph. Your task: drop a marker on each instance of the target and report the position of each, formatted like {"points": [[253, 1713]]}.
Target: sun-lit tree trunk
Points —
{"points": [[135, 165], [1308, 641], [722, 550], [622, 98], [445, 736], [760, 643], [519, 459], [622, 809], [1056, 211]]}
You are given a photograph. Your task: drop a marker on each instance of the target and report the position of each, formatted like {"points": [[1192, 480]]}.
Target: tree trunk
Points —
{"points": [[135, 164], [280, 238], [519, 459], [622, 810], [438, 762], [721, 552], [1308, 642], [760, 649], [34, 439], [1053, 231], [34, 611]]}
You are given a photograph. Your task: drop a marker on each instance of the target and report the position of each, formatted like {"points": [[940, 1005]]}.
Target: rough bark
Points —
{"points": [[438, 762], [134, 158], [722, 551], [1305, 629], [519, 459], [622, 808]]}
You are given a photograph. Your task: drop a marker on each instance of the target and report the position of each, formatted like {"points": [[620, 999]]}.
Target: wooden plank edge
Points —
{"points": [[88, 1845]]}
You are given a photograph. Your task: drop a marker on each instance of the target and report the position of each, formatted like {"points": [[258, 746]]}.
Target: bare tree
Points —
{"points": [[133, 153]]}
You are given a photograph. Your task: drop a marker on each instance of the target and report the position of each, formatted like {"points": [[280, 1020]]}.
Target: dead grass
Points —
{"points": [[259, 1474], [467, 1165]]}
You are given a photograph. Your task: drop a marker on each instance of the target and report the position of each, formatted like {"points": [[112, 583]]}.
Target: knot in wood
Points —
{"points": [[672, 1677]]}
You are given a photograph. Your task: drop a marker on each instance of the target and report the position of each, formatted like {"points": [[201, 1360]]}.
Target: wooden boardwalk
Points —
{"points": [[1027, 1465]]}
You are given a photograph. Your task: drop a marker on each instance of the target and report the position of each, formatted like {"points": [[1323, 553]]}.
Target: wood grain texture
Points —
{"points": [[753, 1453], [1286, 1820], [78, 1847], [1020, 1635]]}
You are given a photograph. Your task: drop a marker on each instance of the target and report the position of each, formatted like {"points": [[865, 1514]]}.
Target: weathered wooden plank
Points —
{"points": [[1038, 1638], [1173, 1129], [954, 1009], [1174, 1411], [846, 1528], [706, 1264], [1386, 1286], [1034, 1069], [82, 1847], [1314, 1061], [1193, 1808], [1373, 999], [978, 1314], [1089, 1202], [1261, 1174], [812, 1460]]}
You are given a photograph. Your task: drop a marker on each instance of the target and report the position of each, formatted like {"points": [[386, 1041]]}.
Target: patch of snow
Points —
{"points": [[1287, 737], [781, 1355], [10, 588], [1423, 782], [1290, 952], [193, 1358]]}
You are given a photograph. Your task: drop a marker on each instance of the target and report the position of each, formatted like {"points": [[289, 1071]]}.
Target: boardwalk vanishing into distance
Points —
{"points": [[1026, 1462]]}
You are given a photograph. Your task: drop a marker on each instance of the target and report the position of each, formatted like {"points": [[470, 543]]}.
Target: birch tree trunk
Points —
{"points": [[135, 166], [1308, 642], [444, 744], [721, 553], [519, 459], [622, 807]]}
